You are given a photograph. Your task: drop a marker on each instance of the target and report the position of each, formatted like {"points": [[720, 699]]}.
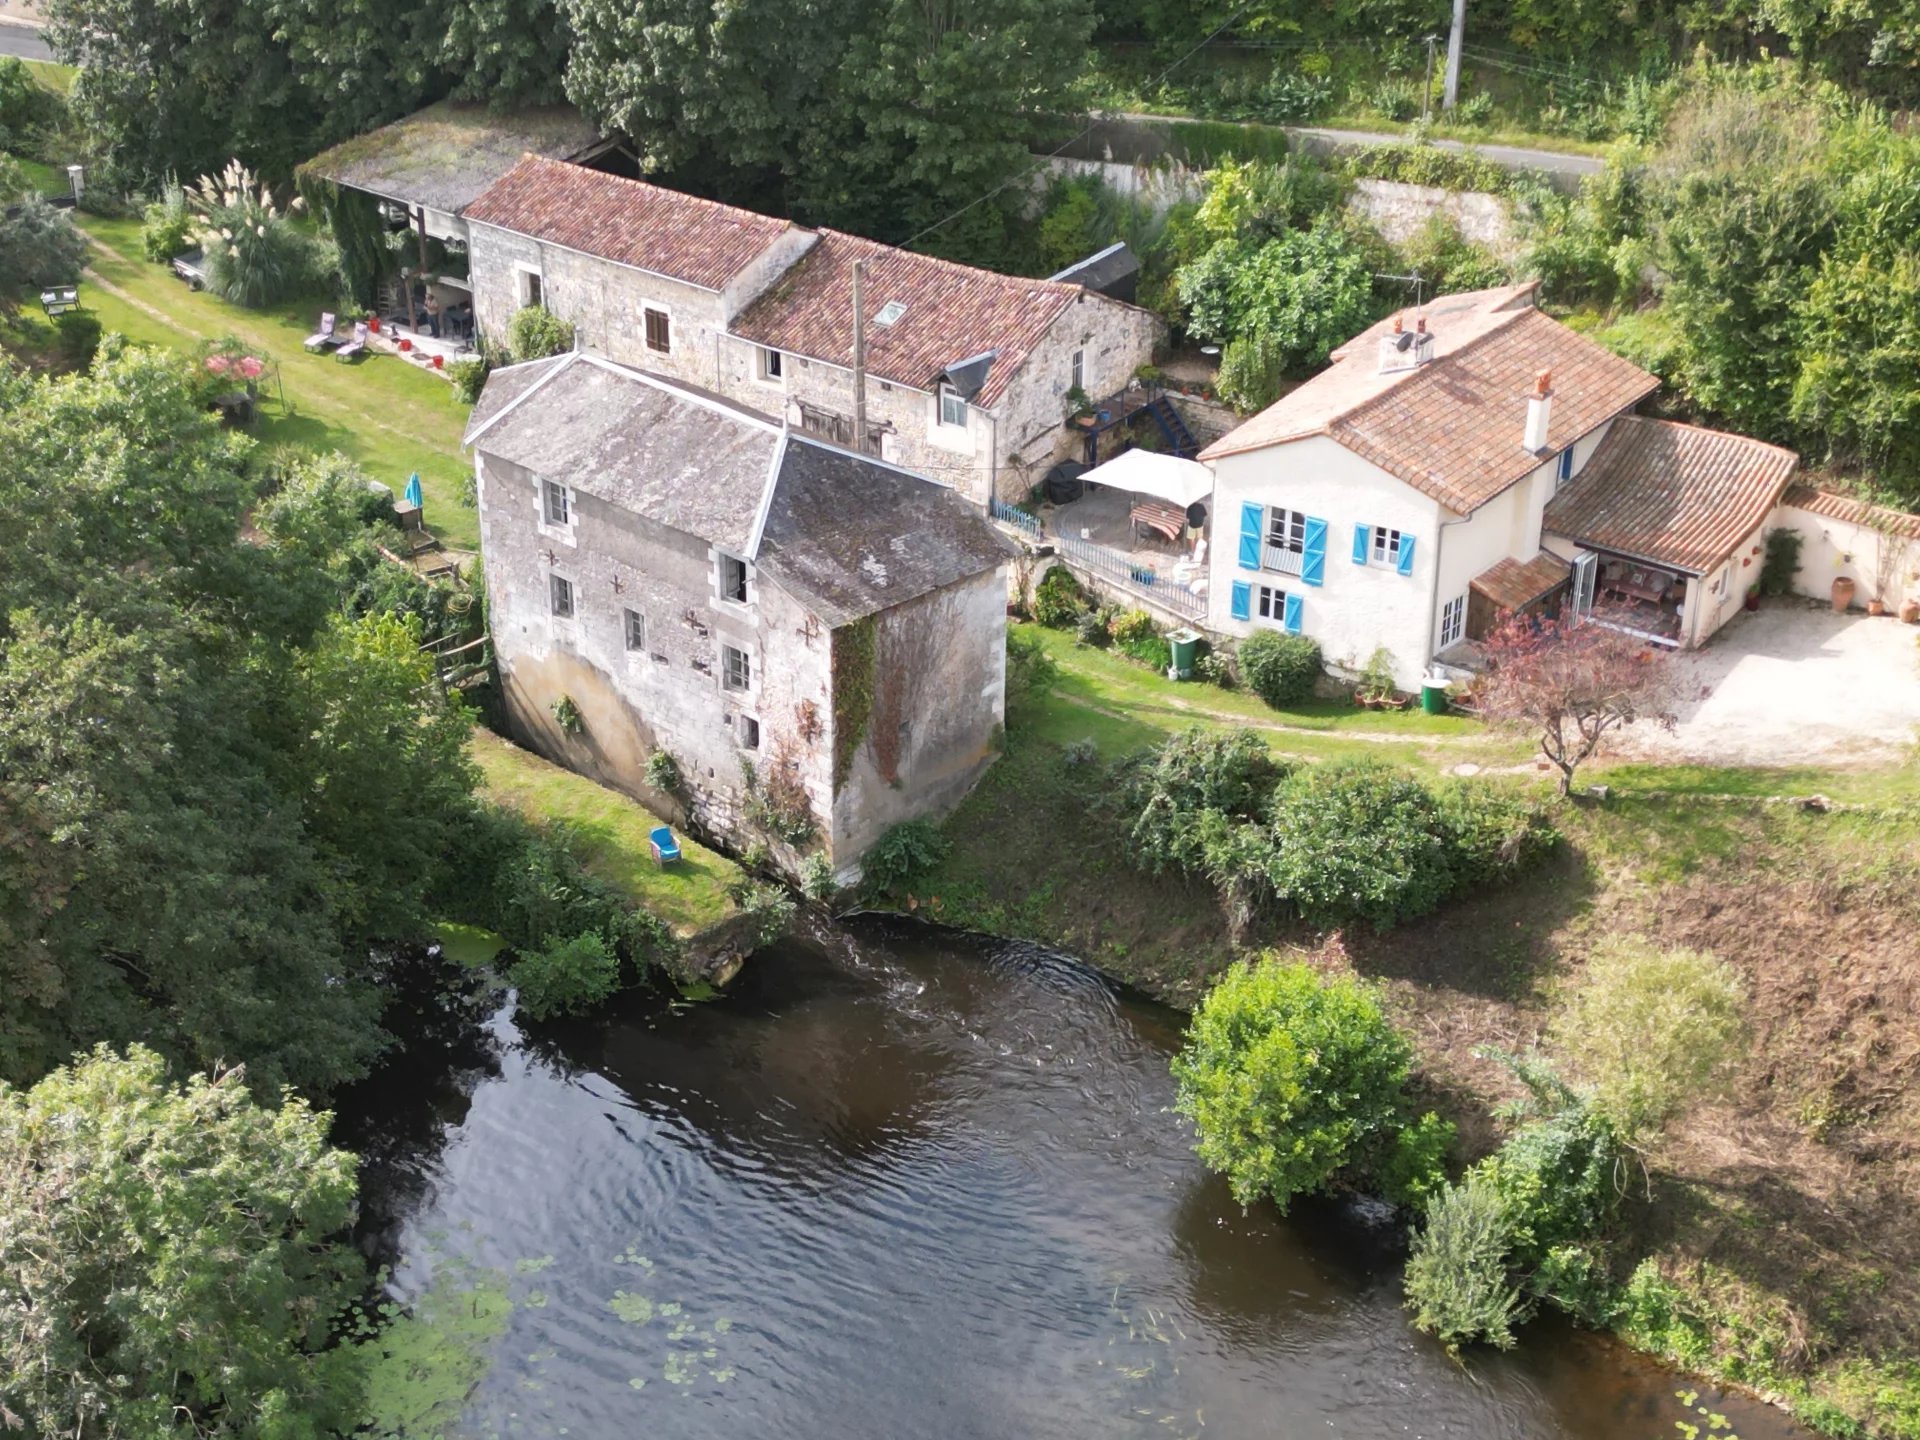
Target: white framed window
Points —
{"points": [[1453, 621], [736, 669], [1079, 372], [1285, 541], [772, 365], [747, 730], [556, 504], [732, 578], [953, 407], [1270, 604], [656, 325], [560, 597], [1386, 546], [530, 285], [635, 628]]}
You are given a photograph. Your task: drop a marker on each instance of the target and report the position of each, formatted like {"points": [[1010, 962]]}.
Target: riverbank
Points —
{"points": [[1786, 1220]]}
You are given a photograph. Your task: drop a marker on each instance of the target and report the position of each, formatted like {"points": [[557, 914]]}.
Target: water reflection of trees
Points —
{"points": [[401, 1116]]}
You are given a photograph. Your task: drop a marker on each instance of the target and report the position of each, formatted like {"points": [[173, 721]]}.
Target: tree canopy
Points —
{"points": [[215, 789], [171, 1259]]}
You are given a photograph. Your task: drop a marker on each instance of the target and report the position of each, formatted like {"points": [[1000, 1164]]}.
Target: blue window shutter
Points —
{"points": [[1406, 553], [1242, 600], [1362, 542], [1252, 518], [1313, 563], [1566, 464], [1293, 614]]}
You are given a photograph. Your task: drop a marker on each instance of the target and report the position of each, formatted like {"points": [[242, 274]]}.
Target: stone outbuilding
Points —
{"points": [[815, 637]]}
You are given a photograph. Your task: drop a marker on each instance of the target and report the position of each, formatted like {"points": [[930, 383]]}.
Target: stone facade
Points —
{"points": [[1004, 450], [939, 679]]}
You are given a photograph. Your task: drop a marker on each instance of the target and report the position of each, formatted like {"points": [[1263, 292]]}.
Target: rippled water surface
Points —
{"points": [[899, 1183]]}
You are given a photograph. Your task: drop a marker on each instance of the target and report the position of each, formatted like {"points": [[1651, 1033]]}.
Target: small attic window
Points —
{"points": [[890, 312]]}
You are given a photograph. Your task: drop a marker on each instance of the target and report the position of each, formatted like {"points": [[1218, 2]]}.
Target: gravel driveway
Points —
{"points": [[1794, 684]]}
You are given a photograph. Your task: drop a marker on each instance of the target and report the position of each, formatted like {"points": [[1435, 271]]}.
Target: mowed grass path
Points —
{"points": [[612, 832], [387, 414]]}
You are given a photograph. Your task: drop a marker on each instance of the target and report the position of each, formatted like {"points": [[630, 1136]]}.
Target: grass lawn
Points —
{"points": [[56, 77], [612, 830], [385, 413]]}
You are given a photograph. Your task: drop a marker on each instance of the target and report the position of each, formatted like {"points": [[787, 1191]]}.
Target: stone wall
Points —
{"points": [[1400, 211], [667, 695], [1882, 560]]}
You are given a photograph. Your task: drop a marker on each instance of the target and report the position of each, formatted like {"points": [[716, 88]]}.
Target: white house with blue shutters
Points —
{"points": [[1371, 505]]}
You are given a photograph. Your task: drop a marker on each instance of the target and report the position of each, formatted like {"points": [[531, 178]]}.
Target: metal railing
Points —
{"points": [[1019, 519], [1119, 569], [1280, 560]]}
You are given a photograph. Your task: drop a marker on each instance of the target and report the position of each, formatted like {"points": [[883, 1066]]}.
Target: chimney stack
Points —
{"points": [[1404, 350], [1539, 412]]}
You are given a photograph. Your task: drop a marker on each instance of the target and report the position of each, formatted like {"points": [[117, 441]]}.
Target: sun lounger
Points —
{"points": [[355, 347], [324, 338]]}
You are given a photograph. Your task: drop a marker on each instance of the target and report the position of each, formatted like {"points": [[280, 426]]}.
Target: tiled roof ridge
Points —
{"points": [[547, 162], [1397, 390], [1063, 288]]}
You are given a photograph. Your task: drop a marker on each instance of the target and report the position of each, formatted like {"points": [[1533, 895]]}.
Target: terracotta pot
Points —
{"points": [[1876, 608], [1910, 612], [1842, 593]]}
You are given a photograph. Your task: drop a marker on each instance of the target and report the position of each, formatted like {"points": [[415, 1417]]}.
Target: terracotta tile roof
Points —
{"points": [[1856, 512], [1452, 427], [1513, 584], [952, 312], [680, 236], [1674, 494]]}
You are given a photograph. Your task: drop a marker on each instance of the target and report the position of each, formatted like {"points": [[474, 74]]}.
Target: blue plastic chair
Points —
{"points": [[666, 849]]}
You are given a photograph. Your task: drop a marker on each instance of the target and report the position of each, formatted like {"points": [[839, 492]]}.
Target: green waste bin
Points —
{"points": [[1185, 645], [1433, 694]]}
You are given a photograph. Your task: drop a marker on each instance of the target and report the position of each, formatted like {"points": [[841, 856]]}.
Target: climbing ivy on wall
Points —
{"points": [[853, 652], [358, 228]]}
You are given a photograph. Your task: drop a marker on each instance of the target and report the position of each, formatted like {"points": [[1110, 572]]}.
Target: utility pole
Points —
{"points": [[859, 357], [1454, 41], [1426, 94]]}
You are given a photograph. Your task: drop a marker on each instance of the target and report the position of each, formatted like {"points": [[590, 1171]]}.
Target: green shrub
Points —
{"points": [[254, 255], [769, 908], [1279, 668], [1059, 599], [663, 773], [534, 334], [167, 224], [566, 977], [904, 853], [1287, 1077], [1215, 667], [1456, 1280], [1030, 669], [1153, 652], [1395, 98], [79, 337], [1358, 842], [817, 880], [1492, 834], [1650, 1030], [39, 246], [469, 378], [1782, 561], [1556, 1179], [1376, 677], [1414, 1165], [1230, 773], [1091, 629], [1127, 626]]}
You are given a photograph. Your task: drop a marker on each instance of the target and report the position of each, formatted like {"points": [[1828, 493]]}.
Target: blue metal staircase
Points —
{"points": [[1167, 416]]}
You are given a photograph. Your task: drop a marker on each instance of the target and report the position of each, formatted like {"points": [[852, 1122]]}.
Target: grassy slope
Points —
{"points": [[387, 414], [612, 829], [1792, 1212]]}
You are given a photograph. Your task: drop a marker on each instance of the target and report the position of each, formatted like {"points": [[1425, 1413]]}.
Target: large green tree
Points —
{"points": [[214, 791], [171, 1258]]}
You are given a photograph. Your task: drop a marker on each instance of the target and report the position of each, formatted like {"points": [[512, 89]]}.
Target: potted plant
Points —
{"points": [[1753, 597], [1375, 688]]}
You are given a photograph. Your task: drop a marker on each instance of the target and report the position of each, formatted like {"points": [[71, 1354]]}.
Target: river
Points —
{"points": [[903, 1183]]}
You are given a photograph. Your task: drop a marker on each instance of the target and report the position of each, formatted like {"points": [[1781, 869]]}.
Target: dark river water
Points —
{"points": [[899, 1183]]}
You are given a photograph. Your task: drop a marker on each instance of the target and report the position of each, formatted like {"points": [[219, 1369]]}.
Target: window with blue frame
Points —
{"points": [[1563, 472]]}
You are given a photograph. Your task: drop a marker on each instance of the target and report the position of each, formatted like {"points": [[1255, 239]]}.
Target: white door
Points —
{"points": [[1586, 566]]}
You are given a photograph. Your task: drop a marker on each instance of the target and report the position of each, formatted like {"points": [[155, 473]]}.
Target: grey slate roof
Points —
{"points": [[844, 534], [675, 455], [1110, 271], [442, 157], [850, 536]]}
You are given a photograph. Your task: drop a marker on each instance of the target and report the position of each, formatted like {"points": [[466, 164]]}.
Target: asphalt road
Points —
{"points": [[26, 41]]}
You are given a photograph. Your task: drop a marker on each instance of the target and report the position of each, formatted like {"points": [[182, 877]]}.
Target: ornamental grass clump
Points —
{"points": [[253, 254]]}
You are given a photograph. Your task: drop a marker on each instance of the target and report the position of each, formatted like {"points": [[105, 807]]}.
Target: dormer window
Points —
{"points": [[953, 407], [889, 313]]}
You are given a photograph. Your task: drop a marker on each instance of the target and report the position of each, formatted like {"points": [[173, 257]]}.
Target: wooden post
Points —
{"points": [[420, 216], [859, 358]]}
